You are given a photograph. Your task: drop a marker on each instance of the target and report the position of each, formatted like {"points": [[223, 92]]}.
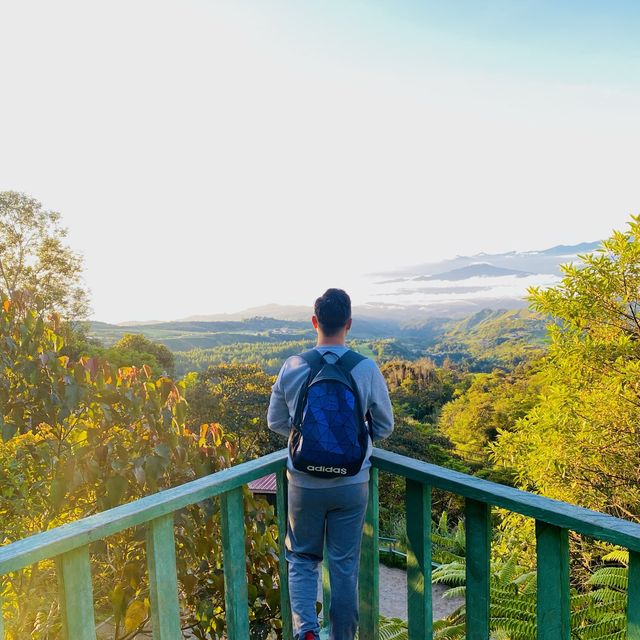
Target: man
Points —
{"points": [[328, 509]]}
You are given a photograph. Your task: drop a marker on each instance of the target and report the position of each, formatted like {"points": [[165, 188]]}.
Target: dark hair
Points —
{"points": [[333, 310]]}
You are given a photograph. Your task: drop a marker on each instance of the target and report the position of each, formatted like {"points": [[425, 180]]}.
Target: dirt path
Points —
{"points": [[393, 596]]}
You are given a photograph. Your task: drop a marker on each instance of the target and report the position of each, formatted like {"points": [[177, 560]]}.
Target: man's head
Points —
{"points": [[332, 314]]}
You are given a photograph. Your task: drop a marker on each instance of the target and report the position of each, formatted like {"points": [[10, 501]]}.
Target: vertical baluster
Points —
{"points": [[633, 594], [236, 595], [326, 589], [285, 603], [553, 582], [478, 539], [163, 581], [369, 567], [418, 507], [76, 594]]}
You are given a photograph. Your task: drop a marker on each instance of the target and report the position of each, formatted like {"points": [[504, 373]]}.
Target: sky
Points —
{"points": [[208, 156]]}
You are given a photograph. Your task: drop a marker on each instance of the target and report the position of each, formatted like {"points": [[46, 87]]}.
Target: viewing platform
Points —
{"points": [[69, 545]]}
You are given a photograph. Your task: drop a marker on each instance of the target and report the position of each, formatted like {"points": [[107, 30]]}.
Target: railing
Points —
{"points": [[553, 519], [69, 545]]}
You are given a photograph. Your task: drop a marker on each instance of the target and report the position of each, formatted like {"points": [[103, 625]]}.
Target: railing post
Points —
{"points": [[76, 594], [326, 589], [553, 582], [236, 595], [163, 581], [281, 506], [633, 595], [418, 509], [478, 568], [369, 567]]}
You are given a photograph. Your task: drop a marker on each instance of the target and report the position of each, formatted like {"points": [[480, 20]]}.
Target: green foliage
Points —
{"points": [[419, 388], [393, 629], [235, 396], [599, 614], [131, 350], [492, 403], [423, 442], [35, 261], [384, 349], [139, 344], [83, 436], [492, 339], [448, 542], [580, 443], [268, 355], [480, 342]]}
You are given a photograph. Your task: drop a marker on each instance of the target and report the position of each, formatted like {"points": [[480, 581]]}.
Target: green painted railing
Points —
{"points": [[69, 545]]}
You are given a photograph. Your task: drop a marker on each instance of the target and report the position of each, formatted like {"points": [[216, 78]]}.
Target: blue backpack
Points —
{"points": [[329, 435]]}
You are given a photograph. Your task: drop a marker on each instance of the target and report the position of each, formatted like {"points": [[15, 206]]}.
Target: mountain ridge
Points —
{"points": [[506, 278]]}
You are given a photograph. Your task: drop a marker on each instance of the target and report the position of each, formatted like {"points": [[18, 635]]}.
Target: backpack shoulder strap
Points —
{"points": [[350, 359], [312, 357], [315, 360]]}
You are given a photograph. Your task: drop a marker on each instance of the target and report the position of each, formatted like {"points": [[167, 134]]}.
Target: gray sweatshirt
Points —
{"points": [[374, 397]]}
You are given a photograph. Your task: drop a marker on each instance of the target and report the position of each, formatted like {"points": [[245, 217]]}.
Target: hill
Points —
{"points": [[480, 341], [490, 339]]}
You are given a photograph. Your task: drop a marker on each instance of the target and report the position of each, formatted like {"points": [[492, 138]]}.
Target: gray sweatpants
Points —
{"points": [[338, 511]]}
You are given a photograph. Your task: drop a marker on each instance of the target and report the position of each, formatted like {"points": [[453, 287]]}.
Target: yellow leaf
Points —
{"points": [[135, 616]]}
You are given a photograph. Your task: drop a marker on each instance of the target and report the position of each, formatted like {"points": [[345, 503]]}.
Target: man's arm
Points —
{"points": [[380, 406], [278, 418]]}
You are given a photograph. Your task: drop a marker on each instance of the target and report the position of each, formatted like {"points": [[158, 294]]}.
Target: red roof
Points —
{"points": [[266, 484]]}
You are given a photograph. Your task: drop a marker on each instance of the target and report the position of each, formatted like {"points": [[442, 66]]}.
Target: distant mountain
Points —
{"points": [[393, 298], [572, 250], [477, 270], [135, 323], [439, 310], [278, 311], [546, 261], [506, 279]]}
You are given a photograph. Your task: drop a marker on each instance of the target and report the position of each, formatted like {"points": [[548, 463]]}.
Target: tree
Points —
{"points": [[35, 260], [140, 344], [237, 397], [493, 401], [419, 387], [581, 443], [80, 436]]}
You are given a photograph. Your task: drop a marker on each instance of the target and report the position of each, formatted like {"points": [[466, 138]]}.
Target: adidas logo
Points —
{"points": [[340, 470]]}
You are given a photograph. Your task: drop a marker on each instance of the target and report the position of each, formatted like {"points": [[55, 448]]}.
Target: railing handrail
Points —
{"points": [[51, 543], [48, 544], [561, 514]]}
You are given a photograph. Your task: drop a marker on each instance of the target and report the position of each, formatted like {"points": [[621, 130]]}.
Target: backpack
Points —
{"points": [[329, 436]]}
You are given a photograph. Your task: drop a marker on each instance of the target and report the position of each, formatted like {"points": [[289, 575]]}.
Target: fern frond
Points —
{"points": [[612, 577], [393, 629], [451, 632], [508, 571], [455, 592], [619, 555], [452, 573]]}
